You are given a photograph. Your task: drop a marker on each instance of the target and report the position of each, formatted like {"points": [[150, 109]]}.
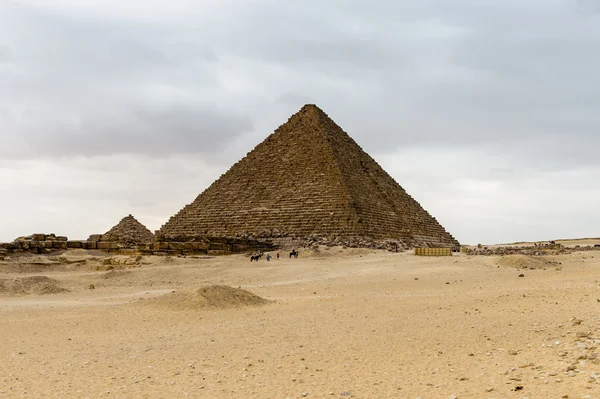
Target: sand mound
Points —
{"points": [[525, 262], [212, 296], [115, 274], [44, 264], [335, 252], [37, 285]]}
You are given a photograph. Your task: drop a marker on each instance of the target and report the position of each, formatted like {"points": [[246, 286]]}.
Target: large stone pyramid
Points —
{"points": [[308, 179], [128, 232]]}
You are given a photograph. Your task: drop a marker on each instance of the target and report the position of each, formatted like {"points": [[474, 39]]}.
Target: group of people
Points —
{"points": [[268, 257]]}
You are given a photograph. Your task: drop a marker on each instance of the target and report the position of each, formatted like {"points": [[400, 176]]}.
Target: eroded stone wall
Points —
{"points": [[48, 244]]}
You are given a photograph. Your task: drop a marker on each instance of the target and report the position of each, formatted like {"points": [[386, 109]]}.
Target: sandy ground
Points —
{"points": [[342, 323]]}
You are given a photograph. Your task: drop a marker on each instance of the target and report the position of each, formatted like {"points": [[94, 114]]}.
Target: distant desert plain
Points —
{"points": [[333, 323]]}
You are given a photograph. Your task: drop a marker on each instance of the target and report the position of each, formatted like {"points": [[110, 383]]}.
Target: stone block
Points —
{"points": [[240, 248], [177, 246], [38, 237], [74, 244], [95, 237], [199, 246], [218, 246], [107, 245], [62, 238], [59, 244]]}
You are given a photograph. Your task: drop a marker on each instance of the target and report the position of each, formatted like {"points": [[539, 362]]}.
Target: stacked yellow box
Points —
{"points": [[433, 251]]}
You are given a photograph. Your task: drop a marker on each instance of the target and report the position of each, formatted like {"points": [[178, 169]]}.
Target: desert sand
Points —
{"points": [[337, 323]]}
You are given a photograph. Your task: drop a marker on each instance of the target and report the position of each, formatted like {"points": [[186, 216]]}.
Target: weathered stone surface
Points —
{"points": [[74, 244], [129, 233], [59, 245], [179, 246], [95, 237], [528, 250], [308, 181], [104, 245], [37, 244], [198, 246]]}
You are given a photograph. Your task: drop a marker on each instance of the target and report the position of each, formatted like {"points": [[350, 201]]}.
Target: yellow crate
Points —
{"points": [[433, 252]]}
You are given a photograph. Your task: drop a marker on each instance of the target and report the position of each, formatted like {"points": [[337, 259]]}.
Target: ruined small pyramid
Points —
{"points": [[129, 232], [308, 179]]}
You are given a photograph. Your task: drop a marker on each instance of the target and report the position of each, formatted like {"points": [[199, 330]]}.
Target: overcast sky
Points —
{"points": [[486, 112]]}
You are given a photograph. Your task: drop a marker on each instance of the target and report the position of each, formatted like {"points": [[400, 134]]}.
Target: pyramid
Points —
{"points": [[129, 232], [308, 179]]}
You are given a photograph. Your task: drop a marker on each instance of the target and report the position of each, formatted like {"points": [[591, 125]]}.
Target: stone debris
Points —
{"points": [[308, 184], [536, 250]]}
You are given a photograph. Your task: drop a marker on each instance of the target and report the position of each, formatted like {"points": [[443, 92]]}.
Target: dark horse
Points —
{"points": [[294, 253], [255, 257]]}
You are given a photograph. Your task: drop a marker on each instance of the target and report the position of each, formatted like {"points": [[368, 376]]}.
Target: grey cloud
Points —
{"points": [[433, 72], [407, 74], [293, 99], [588, 5], [82, 86], [158, 131], [4, 53]]}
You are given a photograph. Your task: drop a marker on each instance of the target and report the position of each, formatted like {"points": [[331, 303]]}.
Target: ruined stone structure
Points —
{"points": [[211, 246], [308, 182], [128, 233], [35, 243]]}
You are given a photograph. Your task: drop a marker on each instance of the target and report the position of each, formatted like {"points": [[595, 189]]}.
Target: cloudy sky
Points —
{"points": [[486, 112]]}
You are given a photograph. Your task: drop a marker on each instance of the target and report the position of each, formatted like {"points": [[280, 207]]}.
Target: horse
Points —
{"points": [[294, 253], [255, 257]]}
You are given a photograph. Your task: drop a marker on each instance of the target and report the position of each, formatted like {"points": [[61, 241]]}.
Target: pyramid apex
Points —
{"points": [[311, 108], [309, 112]]}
